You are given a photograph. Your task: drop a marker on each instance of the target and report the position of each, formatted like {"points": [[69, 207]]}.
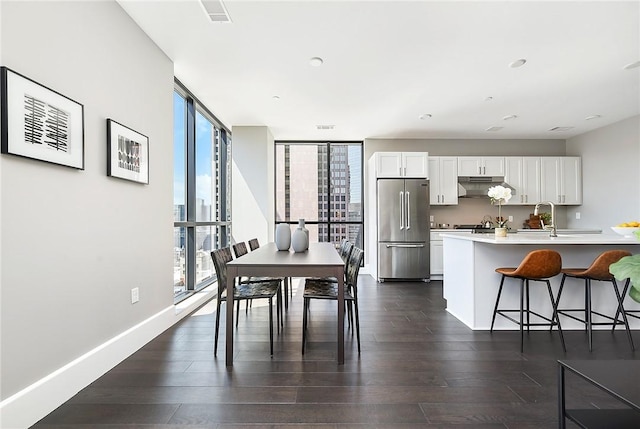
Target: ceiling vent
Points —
{"points": [[325, 127], [215, 10], [561, 128], [494, 128]]}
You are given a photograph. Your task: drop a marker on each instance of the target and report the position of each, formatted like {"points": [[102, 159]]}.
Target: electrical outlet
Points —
{"points": [[510, 218], [135, 295], [577, 215], [430, 218]]}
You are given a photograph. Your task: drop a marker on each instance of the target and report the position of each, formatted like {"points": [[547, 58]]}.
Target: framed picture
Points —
{"points": [[40, 123], [127, 153]]}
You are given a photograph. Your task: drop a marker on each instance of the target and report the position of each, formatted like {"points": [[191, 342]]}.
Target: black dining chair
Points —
{"points": [[320, 289], [242, 292], [288, 290]]}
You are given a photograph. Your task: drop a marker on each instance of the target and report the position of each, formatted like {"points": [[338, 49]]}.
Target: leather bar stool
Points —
{"points": [[538, 265], [599, 270]]}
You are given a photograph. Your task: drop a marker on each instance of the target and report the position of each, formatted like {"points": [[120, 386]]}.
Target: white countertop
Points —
{"points": [[538, 238]]}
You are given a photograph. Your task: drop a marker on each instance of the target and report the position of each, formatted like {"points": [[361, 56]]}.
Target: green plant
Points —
{"points": [[545, 217], [629, 268]]}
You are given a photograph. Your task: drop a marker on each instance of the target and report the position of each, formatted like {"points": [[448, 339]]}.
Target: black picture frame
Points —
{"points": [[40, 123], [127, 153]]}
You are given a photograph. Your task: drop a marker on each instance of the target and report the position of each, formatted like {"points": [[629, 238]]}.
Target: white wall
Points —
{"points": [[74, 242], [252, 183], [610, 175]]}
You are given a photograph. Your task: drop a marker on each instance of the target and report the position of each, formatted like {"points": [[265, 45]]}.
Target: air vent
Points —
{"points": [[215, 10], [561, 128], [494, 128], [325, 127]]}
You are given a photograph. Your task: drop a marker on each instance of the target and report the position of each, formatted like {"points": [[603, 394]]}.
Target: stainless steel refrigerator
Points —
{"points": [[403, 229]]}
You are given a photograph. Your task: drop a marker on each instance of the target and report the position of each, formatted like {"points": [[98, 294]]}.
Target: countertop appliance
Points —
{"points": [[403, 229]]}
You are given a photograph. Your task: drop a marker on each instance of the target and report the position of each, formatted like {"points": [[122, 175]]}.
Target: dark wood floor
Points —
{"points": [[419, 367]]}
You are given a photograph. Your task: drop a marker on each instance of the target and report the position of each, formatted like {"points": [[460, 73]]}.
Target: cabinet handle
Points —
{"points": [[484, 170], [443, 199]]}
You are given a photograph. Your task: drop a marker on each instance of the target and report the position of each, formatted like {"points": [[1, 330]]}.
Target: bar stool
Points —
{"points": [[537, 265], [599, 270]]}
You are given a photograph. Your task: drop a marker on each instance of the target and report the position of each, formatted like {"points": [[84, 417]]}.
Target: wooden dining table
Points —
{"points": [[320, 260]]}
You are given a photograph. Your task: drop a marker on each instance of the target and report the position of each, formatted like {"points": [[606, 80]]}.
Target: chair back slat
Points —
{"points": [[240, 249], [253, 244], [220, 259], [353, 266]]}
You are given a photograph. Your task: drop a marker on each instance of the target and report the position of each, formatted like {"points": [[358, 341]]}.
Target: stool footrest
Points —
{"points": [[549, 322], [565, 312]]}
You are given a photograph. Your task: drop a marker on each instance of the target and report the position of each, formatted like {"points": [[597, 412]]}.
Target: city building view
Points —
{"points": [[327, 191]]}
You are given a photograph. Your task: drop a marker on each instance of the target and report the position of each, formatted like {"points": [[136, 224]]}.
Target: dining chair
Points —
{"points": [[240, 249], [320, 289], [344, 251], [253, 245], [244, 291]]}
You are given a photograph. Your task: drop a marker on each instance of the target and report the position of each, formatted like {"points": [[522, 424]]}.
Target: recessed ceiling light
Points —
{"points": [[488, 99], [276, 97], [509, 117], [425, 116], [494, 128], [316, 61], [632, 65], [517, 63], [588, 118]]}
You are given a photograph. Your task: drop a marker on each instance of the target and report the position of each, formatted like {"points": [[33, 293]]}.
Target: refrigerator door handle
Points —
{"points": [[408, 210], [406, 246], [401, 210]]}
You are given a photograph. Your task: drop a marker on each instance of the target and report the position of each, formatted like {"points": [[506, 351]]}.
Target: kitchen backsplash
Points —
{"points": [[473, 210]]}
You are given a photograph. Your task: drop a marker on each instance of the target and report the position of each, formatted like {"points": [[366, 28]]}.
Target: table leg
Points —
{"points": [[232, 273], [340, 276]]}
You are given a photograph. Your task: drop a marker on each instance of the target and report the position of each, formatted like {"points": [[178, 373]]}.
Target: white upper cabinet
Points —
{"points": [[480, 166], [443, 180], [523, 173], [402, 164], [561, 179]]}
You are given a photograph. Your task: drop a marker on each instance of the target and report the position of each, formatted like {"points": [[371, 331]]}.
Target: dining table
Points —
{"points": [[319, 260]]}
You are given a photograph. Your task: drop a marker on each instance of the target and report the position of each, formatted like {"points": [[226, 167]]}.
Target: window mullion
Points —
{"points": [[190, 125]]}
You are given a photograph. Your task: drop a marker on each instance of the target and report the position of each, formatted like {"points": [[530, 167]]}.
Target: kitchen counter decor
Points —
{"points": [[499, 195]]}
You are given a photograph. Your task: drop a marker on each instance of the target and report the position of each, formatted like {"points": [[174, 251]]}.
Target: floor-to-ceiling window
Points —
{"points": [[201, 192], [322, 184]]}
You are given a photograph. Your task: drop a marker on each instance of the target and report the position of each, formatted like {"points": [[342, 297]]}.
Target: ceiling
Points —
{"points": [[389, 63]]}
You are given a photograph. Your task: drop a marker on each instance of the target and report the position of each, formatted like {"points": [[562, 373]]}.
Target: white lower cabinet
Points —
{"points": [[436, 254]]}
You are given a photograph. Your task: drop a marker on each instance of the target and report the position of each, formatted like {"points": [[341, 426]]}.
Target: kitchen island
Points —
{"points": [[471, 283]]}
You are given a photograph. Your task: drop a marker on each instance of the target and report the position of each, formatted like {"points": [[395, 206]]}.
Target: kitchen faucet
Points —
{"points": [[552, 230]]}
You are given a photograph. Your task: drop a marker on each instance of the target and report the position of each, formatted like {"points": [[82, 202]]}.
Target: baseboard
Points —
{"points": [[31, 404]]}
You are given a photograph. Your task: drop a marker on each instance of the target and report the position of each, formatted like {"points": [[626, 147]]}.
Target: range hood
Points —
{"points": [[478, 186]]}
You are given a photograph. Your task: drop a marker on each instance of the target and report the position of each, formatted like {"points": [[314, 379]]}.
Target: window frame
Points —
{"points": [[192, 107], [328, 203]]}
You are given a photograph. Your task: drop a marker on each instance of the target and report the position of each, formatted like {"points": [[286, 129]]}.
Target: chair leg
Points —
{"points": [[355, 305], [521, 316], [624, 293], [237, 312], [621, 310], [286, 292], [588, 313], [215, 341], [271, 325], [555, 317], [528, 312], [495, 309], [305, 310]]}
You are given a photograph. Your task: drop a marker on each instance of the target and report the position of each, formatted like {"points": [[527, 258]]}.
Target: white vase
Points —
{"points": [[501, 232], [300, 238], [283, 236]]}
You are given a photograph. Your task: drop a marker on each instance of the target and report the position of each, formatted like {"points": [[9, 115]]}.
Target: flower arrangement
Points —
{"points": [[499, 195]]}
